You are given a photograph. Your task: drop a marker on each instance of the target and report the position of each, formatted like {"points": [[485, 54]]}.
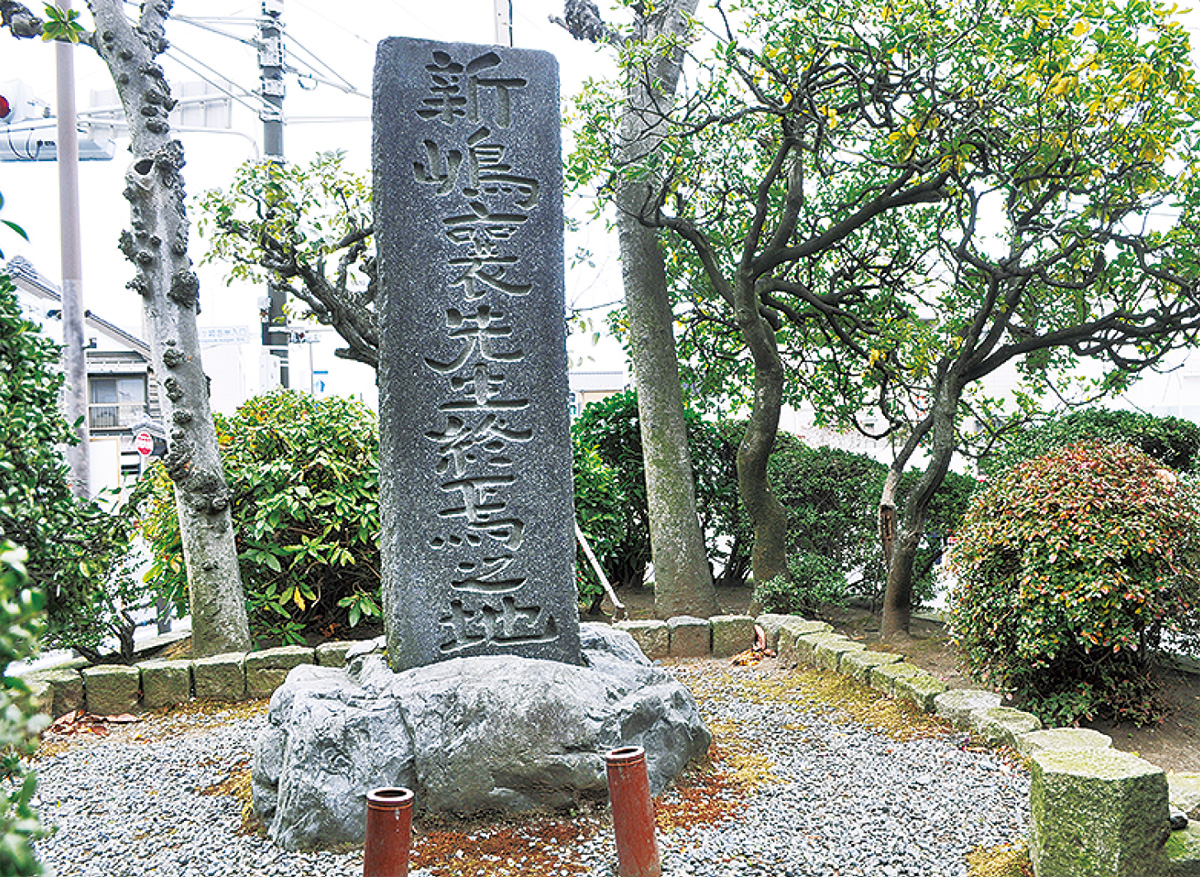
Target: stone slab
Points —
{"points": [[41, 695], [1183, 852], [1061, 738], [921, 689], [333, 654], [165, 683], [787, 647], [690, 637], [795, 649], [731, 634], [857, 665], [1001, 725], [956, 704], [110, 689], [652, 636], [68, 689], [220, 677], [1097, 812], [266, 669], [773, 623], [883, 676], [476, 490], [829, 653], [1185, 793]]}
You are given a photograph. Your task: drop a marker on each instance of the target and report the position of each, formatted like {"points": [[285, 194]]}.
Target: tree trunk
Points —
{"points": [[683, 582], [906, 534], [767, 514], [682, 579], [170, 290]]}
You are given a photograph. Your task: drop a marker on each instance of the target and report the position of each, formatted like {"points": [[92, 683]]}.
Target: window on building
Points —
{"points": [[117, 401]]}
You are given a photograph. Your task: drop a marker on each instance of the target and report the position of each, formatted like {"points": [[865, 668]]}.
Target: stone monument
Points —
{"points": [[492, 697], [476, 492]]}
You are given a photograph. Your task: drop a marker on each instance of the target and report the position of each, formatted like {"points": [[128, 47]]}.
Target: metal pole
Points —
{"points": [[270, 65], [503, 17], [75, 398]]}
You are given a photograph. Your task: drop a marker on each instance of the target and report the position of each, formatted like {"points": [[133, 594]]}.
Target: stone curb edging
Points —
{"points": [[1095, 810], [114, 689]]}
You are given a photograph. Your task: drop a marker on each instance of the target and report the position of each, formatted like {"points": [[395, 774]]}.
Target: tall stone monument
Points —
{"points": [[476, 489]]}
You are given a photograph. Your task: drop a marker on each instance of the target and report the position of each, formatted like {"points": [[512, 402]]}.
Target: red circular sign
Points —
{"points": [[143, 443]]}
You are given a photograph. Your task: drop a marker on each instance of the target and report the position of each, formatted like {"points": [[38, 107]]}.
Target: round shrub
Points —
{"points": [[1071, 569]]}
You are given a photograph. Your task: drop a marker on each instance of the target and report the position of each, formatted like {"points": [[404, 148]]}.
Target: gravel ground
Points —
{"points": [[804, 792]]}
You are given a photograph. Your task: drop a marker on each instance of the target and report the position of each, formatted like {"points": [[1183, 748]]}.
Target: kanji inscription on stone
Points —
{"points": [[476, 493]]}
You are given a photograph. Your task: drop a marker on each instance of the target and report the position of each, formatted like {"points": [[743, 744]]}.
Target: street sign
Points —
{"points": [[143, 443]]}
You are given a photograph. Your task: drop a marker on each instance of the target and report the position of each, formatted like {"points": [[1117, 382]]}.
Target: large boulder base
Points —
{"points": [[469, 736]]}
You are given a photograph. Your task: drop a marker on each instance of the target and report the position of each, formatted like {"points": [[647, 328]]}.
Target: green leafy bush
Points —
{"points": [[1071, 569], [1171, 441], [813, 582], [610, 429], [77, 549], [831, 497], [599, 510], [304, 478], [20, 623]]}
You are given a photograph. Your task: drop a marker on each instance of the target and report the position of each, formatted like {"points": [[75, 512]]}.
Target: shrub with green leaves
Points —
{"points": [[1072, 568], [813, 582], [599, 511], [1170, 440], [21, 621], [77, 549], [304, 478]]}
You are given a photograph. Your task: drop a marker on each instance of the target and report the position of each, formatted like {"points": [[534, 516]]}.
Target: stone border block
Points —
{"points": [[1061, 738], [1002, 725], [883, 677], [41, 695], [921, 689], [857, 665], [68, 689], [802, 647], [731, 634], [829, 654], [1183, 852], [652, 637], [111, 690], [165, 683], [1185, 793], [956, 704], [1097, 812], [333, 653], [220, 677], [786, 646], [690, 637], [266, 670], [772, 623]]}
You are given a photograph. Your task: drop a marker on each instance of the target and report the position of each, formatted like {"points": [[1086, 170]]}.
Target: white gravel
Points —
{"points": [[844, 800]]}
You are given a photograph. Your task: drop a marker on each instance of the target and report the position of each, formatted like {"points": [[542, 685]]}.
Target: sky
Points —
{"points": [[331, 42]]}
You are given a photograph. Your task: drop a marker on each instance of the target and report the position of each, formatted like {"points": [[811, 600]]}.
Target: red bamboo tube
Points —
{"points": [[389, 832], [633, 812]]}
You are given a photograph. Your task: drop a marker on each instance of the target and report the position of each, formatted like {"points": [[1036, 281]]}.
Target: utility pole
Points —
{"points": [[74, 357], [504, 33], [270, 65]]}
